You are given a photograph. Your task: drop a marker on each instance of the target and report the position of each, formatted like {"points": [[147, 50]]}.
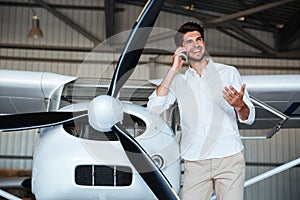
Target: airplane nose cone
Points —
{"points": [[104, 111]]}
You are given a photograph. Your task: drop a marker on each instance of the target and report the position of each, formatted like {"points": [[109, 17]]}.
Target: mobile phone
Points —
{"points": [[185, 58]]}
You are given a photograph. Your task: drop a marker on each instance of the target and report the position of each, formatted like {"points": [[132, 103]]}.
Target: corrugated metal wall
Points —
{"points": [[15, 22], [264, 155], [19, 144]]}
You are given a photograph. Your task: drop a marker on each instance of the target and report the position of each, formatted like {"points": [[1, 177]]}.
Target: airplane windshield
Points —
{"points": [[85, 89], [82, 129]]}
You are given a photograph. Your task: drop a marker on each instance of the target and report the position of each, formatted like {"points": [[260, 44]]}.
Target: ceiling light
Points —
{"points": [[35, 32], [189, 7], [279, 26], [241, 19]]}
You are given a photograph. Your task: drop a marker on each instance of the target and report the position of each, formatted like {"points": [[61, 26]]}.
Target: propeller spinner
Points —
{"points": [[111, 112]]}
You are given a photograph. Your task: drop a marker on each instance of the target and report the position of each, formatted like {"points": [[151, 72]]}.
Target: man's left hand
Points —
{"points": [[235, 99]]}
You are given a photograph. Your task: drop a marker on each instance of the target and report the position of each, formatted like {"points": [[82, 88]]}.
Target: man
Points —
{"points": [[210, 97]]}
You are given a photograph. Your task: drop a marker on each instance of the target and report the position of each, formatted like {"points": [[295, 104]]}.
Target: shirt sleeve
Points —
{"points": [[251, 107], [237, 83], [159, 104]]}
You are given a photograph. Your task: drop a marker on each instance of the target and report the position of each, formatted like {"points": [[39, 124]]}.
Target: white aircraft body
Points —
{"points": [[89, 165]]}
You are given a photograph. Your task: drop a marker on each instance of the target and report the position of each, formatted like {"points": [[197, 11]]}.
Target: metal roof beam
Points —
{"points": [[237, 37], [174, 8], [290, 32], [251, 40], [248, 12], [56, 6], [109, 17], [260, 44]]}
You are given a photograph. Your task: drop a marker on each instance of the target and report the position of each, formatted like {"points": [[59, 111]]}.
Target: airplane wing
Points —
{"points": [[31, 91], [28, 91], [276, 99]]}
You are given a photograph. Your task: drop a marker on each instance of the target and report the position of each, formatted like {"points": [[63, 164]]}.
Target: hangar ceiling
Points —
{"points": [[233, 18], [280, 17]]}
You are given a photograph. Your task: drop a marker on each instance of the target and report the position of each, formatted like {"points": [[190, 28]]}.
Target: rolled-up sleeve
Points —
{"points": [[159, 104], [251, 107], [237, 83]]}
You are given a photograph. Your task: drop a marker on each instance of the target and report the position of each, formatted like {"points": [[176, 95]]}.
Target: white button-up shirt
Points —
{"points": [[208, 122]]}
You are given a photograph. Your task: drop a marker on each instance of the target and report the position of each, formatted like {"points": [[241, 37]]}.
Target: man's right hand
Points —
{"points": [[179, 57]]}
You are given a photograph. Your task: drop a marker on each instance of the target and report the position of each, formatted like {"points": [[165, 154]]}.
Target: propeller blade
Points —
{"points": [[141, 161], [27, 121], [134, 45], [128, 60]]}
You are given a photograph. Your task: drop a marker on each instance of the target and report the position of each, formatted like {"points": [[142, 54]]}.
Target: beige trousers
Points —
{"points": [[224, 175]]}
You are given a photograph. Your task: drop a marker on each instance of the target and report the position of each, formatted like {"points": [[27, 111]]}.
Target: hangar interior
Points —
{"points": [[84, 38]]}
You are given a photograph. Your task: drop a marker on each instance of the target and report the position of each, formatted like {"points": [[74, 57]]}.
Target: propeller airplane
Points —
{"points": [[85, 151]]}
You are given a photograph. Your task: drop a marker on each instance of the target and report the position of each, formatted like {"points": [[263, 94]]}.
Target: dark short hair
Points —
{"points": [[187, 27]]}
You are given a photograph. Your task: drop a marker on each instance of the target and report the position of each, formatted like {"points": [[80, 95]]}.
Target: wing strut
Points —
{"points": [[276, 112]]}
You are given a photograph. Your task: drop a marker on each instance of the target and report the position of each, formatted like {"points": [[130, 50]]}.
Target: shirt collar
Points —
{"points": [[209, 64]]}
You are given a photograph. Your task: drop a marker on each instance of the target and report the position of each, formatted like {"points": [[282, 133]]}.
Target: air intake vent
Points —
{"points": [[101, 175], [83, 175]]}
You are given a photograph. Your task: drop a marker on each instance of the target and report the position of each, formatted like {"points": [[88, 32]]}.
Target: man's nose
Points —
{"points": [[196, 43]]}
